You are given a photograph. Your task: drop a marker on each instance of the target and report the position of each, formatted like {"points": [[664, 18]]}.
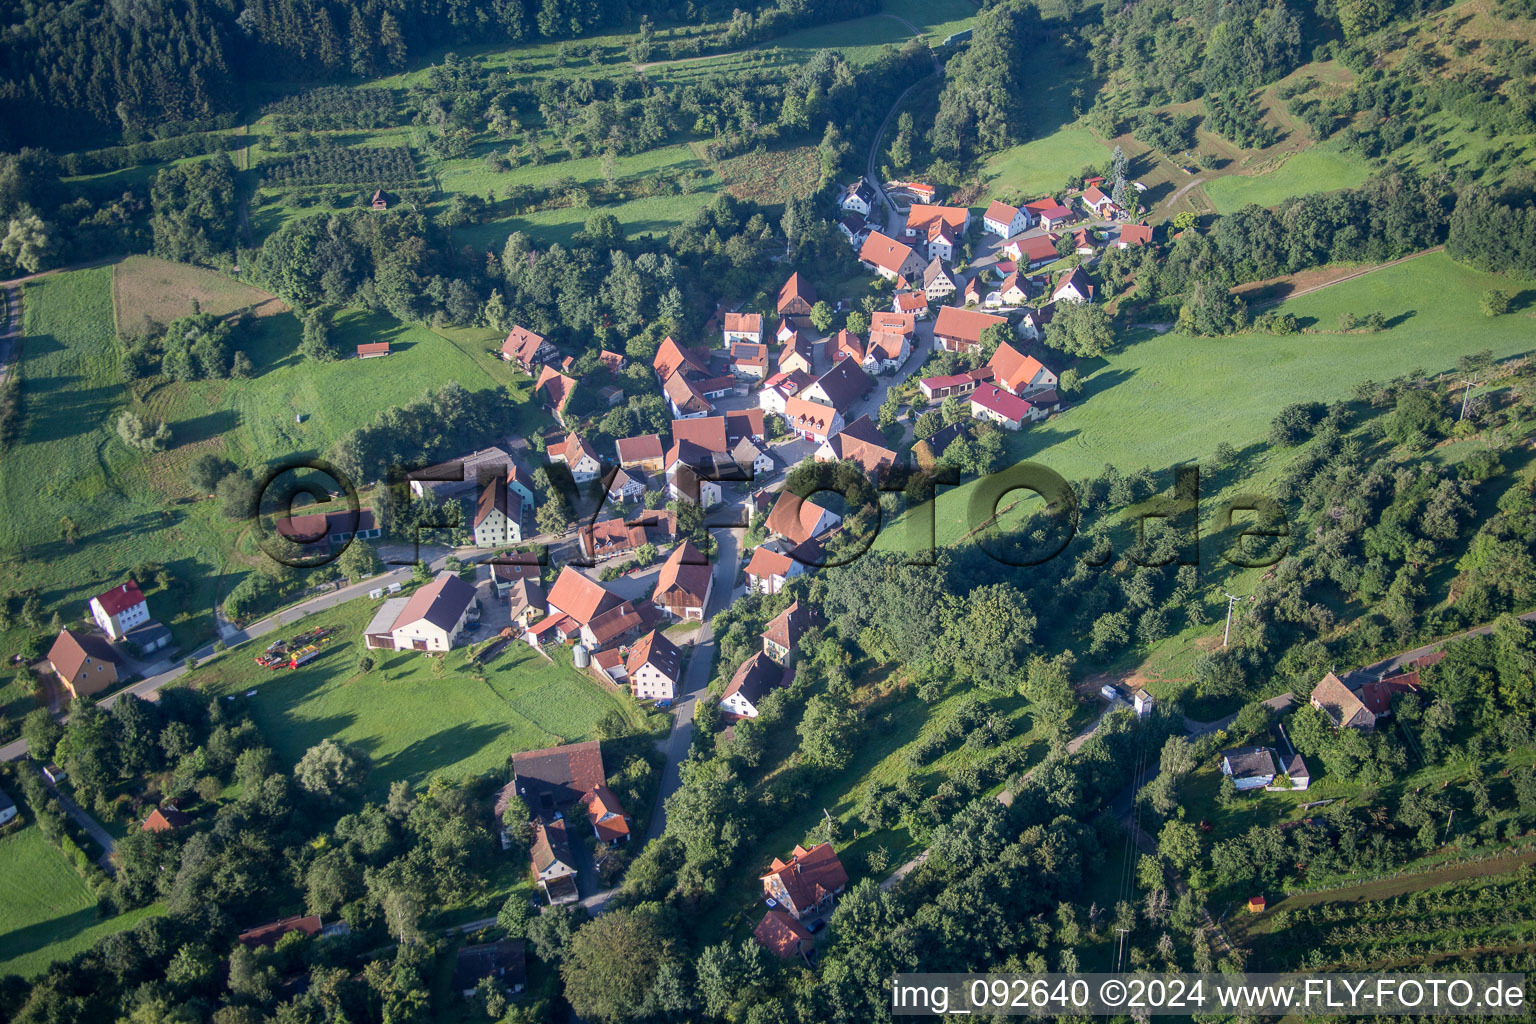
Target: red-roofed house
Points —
{"points": [[990, 402], [889, 258], [1014, 371], [768, 570], [780, 388], [746, 327], [796, 297], [606, 815], [782, 634], [556, 388], [806, 884], [165, 819], [811, 420], [921, 217], [1004, 220], [846, 345], [1098, 203], [578, 598], [1134, 234], [893, 323], [798, 519], [576, 455], [684, 584], [936, 389], [861, 442], [84, 662], [430, 620], [886, 351], [684, 397], [1034, 250], [373, 349], [672, 358], [960, 330], [526, 349], [783, 936], [120, 609], [643, 452], [1054, 217], [911, 303]]}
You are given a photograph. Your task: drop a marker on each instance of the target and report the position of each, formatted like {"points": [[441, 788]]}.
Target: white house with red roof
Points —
{"points": [[746, 327], [1004, 220], [769, 569], [1033, 250], [914, 304], [120, 609], [1099, 204], [1134, 234], [526, 349], [430, 620], [990, 402], [1018, 373], [936, 389], [806, 884], [780, 388], [942, 239]]}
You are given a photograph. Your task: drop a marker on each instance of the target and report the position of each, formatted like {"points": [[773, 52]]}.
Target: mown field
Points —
{"points": [[414, 716], [1161, 400], [50, 915], [1041, 165]]}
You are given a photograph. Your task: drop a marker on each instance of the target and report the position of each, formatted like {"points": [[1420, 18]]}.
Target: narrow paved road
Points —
{"points": [[90, 825], [695, 679]]}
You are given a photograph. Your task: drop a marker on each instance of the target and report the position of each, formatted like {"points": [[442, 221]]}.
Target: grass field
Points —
{"points": [[133, 508], [1321, 168], [1043, 164], [1165, 399], [70, 462], [48, 912], [413, 718]]}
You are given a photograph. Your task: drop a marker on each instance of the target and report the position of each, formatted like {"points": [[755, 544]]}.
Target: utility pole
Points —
{"points": [[1120, 950], [1466, 397], [1231, 600], [1448, 827]]}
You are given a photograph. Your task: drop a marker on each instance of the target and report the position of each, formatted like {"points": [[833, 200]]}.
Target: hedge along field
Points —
{"points": [[1161, 400], [414, 716], [53, 915]]}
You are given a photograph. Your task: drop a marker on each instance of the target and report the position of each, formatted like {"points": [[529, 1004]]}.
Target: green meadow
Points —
{"points": [[53, 915], [415, 716], [1162, 400], [1320, 168]]}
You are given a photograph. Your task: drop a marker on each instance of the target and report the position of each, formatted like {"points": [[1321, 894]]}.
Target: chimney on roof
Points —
{"points": [[1090, 293]]}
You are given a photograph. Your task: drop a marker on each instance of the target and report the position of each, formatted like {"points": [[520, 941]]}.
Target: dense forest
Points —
{"points": [[75, 74]]}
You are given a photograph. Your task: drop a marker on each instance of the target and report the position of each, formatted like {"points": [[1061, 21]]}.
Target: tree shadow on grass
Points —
{"points": [[34, 937], [1401, 318], [424, 757]]}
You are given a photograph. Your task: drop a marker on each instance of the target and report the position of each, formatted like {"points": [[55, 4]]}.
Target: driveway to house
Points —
{"points": [[100, 836]]}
